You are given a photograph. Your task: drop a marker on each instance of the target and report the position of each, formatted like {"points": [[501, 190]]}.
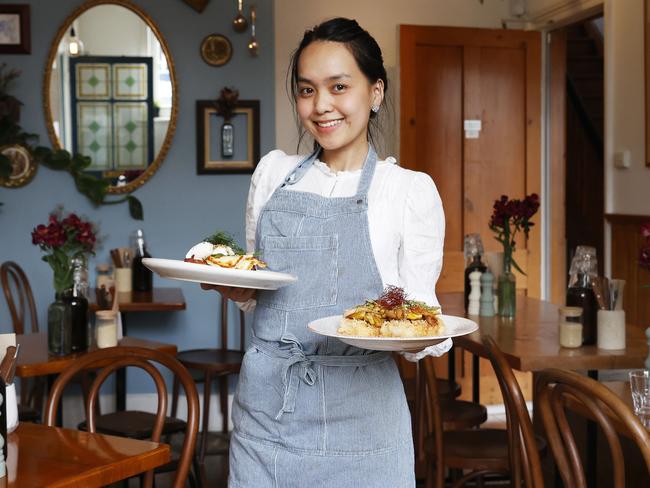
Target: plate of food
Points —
{"points": [[218, 260], [392, 322]]}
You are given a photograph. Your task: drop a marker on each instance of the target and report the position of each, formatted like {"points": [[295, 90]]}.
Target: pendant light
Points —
{"points": [[75, 46]]}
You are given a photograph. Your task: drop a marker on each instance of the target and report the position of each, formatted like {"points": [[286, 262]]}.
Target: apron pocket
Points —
{"points": [[313, 260]]}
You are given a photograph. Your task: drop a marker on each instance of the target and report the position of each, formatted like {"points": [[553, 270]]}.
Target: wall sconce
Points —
{"points": [[75, 46]]}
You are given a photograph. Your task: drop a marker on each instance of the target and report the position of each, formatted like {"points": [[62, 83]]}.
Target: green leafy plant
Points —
{"points": [[92, 187]]}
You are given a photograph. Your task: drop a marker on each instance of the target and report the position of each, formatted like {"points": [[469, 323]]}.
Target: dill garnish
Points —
{"points": [[221, 238]]}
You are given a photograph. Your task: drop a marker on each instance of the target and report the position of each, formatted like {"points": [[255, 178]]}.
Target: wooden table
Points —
{"points": [[530, 342], [157, 300], [34, 359], [55, 457]]}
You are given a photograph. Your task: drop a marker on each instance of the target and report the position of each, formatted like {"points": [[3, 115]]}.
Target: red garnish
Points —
{"points": [[196, 261], [393, 297]]}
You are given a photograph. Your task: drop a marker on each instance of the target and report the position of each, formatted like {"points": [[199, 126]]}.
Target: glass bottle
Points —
{"points": [[473, 250], [142, 276], [79, 305], [580, 294], [58, 325], [507, 288]]}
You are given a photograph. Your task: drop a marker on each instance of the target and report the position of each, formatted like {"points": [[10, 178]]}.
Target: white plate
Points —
{"points": [[203, 273], [453, 327]]}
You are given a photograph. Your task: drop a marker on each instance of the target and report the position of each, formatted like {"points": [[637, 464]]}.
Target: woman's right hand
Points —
{"points": [[231, 292]]}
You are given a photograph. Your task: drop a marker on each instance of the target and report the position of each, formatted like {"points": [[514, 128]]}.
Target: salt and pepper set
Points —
{"points": [[479, 296]]}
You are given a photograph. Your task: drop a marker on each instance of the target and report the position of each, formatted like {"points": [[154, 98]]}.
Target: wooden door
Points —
{"points": [[451, 75]]}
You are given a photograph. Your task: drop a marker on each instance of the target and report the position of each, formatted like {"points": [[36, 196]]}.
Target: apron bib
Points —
{"points": [[310, 410]]}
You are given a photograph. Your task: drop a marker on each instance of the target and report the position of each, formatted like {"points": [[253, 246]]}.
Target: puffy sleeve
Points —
{"points": [[263, 183], [423, 235]]}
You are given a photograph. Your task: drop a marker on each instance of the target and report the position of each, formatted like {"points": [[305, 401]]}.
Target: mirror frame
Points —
{"points": [[63, 29]]}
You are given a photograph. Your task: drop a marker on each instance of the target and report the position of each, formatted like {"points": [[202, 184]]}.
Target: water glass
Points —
{"points": [[640, 388], [644, 416]]}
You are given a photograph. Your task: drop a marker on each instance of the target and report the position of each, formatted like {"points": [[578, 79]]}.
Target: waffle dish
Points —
{"points": [[392, 315]]}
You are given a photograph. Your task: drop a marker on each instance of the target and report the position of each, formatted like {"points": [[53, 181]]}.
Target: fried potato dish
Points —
{"points": [[392, 315]]}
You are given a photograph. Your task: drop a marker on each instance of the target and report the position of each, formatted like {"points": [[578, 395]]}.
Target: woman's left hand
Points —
{"points": [[231, 292]]}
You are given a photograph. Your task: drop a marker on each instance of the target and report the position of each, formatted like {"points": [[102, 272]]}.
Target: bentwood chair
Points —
{"points": [[20, 301], [558, 390], [113, 358], [479, 451], [207, 365]]}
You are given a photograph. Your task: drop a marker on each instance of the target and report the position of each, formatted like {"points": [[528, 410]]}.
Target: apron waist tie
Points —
{"points": [[298, 366]]}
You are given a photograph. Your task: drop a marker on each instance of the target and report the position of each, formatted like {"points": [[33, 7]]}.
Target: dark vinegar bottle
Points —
{"points": [[475, 265], [583, 296], [142, 276], [580, 294], [79, 306]]}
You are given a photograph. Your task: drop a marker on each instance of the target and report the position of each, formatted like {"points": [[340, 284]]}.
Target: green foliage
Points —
{"points": [[92, 187], [224, 239]]}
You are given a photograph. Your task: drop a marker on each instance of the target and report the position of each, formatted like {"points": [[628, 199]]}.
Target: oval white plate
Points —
{"points": [[454, 327], [203, 273]]}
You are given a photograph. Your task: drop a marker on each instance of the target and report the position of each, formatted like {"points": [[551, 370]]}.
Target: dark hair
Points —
{"points": [[362, 45]]}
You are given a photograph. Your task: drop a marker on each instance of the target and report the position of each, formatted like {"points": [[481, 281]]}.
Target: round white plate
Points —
{"points": [[214, 275], [454, 327]]}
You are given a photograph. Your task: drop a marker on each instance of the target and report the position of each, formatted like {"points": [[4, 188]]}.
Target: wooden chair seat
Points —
{"points": [[216, 361], [459, 414], [134, 424], [477, 449]]}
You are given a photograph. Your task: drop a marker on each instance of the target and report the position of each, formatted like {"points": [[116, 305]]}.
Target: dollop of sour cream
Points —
{"points": [[203, 250]]}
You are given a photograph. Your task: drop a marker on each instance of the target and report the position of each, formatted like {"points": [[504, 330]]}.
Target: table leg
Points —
{"points": [[476, 379], [451, 365], [120, 378], [592, 443]]}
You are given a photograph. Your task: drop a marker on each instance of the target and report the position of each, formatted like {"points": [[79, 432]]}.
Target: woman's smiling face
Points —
{"points": [[334, 96]]}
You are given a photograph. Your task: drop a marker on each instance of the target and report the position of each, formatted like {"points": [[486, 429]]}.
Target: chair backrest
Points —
{"points": [[525, 462], [557, 390], [18, 294], [113, 358], [224, 325]]}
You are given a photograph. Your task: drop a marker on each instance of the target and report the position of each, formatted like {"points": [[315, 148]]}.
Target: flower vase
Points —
{"points": [[506, 289], [227, 139], [59, 325]]}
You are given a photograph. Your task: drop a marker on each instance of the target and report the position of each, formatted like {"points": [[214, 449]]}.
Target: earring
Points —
{"points": [[375, 108]]}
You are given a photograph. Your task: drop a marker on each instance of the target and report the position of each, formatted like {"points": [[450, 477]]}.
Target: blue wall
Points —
{"points": [[180, 206]]}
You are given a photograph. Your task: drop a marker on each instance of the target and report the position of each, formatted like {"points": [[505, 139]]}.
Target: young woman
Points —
{"points": [[313, 412]]}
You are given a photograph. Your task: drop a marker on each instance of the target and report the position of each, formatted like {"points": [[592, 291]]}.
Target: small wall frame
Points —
{"points": [[246, 125]]}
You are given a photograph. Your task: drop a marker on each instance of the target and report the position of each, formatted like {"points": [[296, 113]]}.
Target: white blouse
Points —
{"points": [[405, 215]]}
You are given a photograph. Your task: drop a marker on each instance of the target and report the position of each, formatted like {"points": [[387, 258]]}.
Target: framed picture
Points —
{"points": [[14, 29], [244, 138]]}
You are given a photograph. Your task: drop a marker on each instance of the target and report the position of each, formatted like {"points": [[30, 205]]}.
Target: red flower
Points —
{"points": [[63, 239]]}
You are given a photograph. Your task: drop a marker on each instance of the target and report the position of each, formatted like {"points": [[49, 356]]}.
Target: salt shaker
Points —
{"points": [[475, 293]]}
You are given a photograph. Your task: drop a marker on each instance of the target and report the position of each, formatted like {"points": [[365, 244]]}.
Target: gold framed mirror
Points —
{"points": [[111, 93]]}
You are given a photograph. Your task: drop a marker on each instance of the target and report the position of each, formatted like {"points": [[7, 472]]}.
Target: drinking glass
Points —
{"points": [[640, 387]]}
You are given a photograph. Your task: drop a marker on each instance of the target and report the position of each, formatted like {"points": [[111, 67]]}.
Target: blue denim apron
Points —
{"points": [[311, 411]]}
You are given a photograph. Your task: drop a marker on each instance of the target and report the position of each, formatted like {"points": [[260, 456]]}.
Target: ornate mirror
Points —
{"points": [[110, 92]]}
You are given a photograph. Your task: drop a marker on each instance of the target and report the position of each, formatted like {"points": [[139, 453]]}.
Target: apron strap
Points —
{"points": [[298, 366], [364, 182]]}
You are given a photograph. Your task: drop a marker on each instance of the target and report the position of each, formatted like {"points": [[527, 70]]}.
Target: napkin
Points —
{"points": [[436, 351]]}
